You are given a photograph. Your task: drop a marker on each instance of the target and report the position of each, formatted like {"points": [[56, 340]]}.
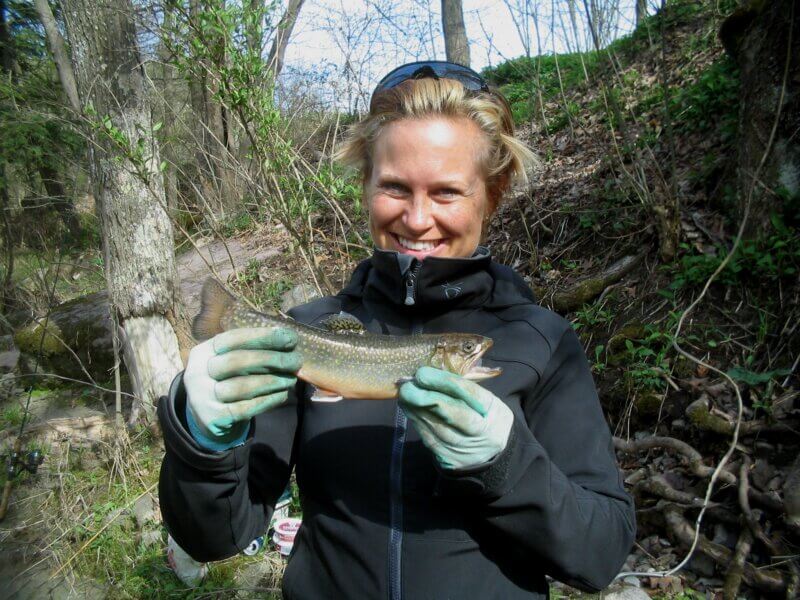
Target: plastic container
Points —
{"points": [[285, 532]]}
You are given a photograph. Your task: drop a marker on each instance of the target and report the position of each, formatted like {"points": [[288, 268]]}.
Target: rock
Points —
{"points": [[632, 581], [299, 294], [627, 593], [7, 343], [193, 266], [144, 510], [724, 536], [9, 360], [8, 387], [78, 337], [150, 537], [114, 517], [701, 564]]}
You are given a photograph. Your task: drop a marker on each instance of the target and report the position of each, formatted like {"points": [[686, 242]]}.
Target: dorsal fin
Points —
{"points": [[343, 323], [214, 303]]}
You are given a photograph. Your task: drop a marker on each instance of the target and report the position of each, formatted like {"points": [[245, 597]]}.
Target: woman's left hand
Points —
{"points": [[462, 423]]}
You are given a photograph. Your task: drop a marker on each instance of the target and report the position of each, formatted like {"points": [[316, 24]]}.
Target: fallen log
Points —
{"points": [[587, 289]]}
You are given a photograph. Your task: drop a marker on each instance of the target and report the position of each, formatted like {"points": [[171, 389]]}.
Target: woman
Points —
{"points": [[456, 489]]}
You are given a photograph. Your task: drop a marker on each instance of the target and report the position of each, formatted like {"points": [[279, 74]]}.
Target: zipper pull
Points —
{"points": [[411, 284], [409, 290]]}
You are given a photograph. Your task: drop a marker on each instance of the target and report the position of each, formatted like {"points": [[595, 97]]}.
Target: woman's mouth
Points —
{"points": [[418, 248]]}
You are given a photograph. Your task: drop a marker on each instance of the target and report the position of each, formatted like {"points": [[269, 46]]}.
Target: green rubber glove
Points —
{"points": [[462, 423], [236, 375]]}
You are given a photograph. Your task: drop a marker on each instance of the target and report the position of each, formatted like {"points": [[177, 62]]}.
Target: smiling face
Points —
{"points": [[426, 192]]}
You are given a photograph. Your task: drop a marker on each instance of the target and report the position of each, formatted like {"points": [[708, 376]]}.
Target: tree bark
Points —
{"points": [[282, 35], [455, 33], [55, 42], [641, 11], [137, 232], [54, 187], [764, 38]]}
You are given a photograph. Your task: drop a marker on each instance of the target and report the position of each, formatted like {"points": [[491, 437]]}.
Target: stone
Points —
{"points": [[144, 510], [702, 565], [9, 360], [150, 537], [299, 294], [7, 343], [627, 593]]}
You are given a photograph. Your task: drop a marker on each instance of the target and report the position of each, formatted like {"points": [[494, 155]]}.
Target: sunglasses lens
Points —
{"points": [[435, 70]]}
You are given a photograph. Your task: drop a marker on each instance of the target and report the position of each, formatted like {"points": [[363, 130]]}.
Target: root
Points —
{"points": [[695, 459], [767, 580]]}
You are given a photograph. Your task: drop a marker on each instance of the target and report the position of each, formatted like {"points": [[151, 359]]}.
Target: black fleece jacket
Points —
{"points": [[380, 518]]}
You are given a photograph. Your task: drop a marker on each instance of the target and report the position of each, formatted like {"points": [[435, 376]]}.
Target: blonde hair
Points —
{"points": [[505, 160]]}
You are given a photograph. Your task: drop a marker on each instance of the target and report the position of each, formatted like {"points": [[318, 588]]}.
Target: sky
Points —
{"points": [[328, 32]]}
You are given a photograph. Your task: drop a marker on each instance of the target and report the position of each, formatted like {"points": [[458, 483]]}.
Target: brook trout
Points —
{"points": [[343, 360]]}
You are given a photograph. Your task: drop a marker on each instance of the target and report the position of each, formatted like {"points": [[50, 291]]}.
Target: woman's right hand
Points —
{"points": [[238, 374]]}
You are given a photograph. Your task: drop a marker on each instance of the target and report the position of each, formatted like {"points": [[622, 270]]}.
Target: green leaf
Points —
{"points": [[753, 378]]}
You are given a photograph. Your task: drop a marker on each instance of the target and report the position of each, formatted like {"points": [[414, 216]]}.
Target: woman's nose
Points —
{"points": [[418, 217]]}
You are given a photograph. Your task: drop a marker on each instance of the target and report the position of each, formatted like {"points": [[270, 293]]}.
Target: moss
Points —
{"points": [[700, 416], [649, 403], [630, 331], [29, 338]]}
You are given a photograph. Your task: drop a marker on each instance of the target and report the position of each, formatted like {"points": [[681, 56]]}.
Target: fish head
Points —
{"points": [[461, 353]]}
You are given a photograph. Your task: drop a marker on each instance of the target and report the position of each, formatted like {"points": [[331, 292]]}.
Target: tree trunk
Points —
{"points": [[214, 136], [167, 115], [641, 11], [282, 35], [8, 58], [455, 34], [764, 38], [58, 199], [59, 51], [137, 232]]}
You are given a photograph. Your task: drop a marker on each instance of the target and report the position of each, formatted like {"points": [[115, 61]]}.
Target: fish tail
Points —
{"points": [[214, 303]]}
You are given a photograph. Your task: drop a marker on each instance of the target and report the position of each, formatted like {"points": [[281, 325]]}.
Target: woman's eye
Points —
{"points": [[449, 192], [394, 188]]}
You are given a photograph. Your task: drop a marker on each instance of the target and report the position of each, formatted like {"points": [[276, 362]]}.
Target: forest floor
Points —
{"points": [[88, 524]]}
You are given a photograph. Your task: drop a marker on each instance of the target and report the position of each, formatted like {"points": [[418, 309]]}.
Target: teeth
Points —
{"points": [[419, 246]]}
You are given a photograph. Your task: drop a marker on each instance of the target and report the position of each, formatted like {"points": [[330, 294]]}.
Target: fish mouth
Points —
{"points": [[475, 371]]}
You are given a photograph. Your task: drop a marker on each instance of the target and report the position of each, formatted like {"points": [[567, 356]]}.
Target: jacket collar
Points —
{"points": [[434, 284]]}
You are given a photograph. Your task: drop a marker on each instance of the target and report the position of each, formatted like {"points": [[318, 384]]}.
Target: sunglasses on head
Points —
{"points": [[434, 69]]}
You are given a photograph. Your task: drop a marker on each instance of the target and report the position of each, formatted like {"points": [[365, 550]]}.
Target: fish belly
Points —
{"points": [[352, 382]]}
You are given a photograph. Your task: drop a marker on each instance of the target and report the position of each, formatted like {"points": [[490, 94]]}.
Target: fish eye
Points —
{"points": [[468, 347]]}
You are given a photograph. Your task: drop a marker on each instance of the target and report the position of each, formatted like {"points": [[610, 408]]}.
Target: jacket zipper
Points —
{"points": [[396, 469], [411, 285]]}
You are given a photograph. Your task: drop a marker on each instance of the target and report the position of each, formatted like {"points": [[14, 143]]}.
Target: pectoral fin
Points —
{"points": [[321, 395], [343, 323]]}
